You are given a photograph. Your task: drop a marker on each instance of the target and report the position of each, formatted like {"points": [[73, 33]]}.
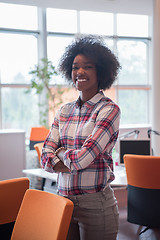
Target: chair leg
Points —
{"points": [[43, 183], [139, 231]]}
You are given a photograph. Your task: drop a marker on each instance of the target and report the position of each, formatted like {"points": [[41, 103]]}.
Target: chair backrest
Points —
{"points": [[37, 134], [11, 194], [143, 171], [38, 147], [42, 216], [143, 177]]}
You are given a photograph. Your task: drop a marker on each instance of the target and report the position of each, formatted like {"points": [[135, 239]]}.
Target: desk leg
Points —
{"points": [[43, 183]]}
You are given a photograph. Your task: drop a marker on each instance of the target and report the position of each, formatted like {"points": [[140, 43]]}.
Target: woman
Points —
{"points": [[83, 134]]}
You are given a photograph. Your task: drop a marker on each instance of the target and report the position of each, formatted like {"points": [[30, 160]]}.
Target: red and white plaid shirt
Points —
{"points": [[89, 134]]}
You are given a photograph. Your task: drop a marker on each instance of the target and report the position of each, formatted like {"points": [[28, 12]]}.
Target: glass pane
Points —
{"points": [[132, 25], [56, 47], [18, 53], [133, 105], [18, 16], [109, 43], [19, 110], [59, 20], [111, 93], [96, 23], [133, 59]]}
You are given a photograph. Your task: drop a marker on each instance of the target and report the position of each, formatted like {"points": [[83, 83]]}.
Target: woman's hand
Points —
{"points": [[60, 167], [60, 154]]}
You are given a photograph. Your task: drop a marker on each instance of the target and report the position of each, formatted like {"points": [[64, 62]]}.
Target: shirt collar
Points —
{"points": [[96, 98]]}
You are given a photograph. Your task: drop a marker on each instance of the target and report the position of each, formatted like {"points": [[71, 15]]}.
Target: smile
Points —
{"points": [[81, 80]]}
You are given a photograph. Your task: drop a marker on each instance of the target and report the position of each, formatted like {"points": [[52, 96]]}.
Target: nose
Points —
{"points": [[80, 71]]}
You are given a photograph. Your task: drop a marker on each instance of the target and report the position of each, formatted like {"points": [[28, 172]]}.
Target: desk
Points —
{"points": [[120, 177], [40, 172], [49, 179]]}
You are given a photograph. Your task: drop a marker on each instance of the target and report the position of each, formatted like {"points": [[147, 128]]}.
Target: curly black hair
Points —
{"points": [[94, 48]]}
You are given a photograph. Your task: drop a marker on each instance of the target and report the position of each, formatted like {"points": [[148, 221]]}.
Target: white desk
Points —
{"points": [[50, 179], [120, 177], [40, 172]]}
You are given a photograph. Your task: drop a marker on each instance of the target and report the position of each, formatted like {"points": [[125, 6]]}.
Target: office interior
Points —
{"points": [[15, 138], [151, 85]]}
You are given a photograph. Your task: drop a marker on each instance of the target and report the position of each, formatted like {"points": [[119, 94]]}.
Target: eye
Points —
{"points": [[88, 67], [74, 68]]}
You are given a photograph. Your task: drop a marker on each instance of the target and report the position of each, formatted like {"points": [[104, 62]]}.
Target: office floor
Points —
{"points": [[128, 231]]}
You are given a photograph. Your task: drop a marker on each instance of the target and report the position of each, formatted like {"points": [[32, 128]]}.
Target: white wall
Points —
{"points": [[156, 78], [120, 6]]}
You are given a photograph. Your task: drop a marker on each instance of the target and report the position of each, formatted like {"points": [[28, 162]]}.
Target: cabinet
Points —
{"points": [[12, 153]]}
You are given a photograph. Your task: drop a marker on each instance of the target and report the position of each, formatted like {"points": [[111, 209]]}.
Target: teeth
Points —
{"points": [[82, 80]]}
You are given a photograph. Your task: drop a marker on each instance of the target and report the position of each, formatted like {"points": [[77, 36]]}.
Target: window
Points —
{"points": [[61, 20], [133, 81], [19, 110], [18, 54], [18, 16], [132, 25], [18, 48], [133, 58], [96, 23], [127, 35], [56, 47], [133, 104]]}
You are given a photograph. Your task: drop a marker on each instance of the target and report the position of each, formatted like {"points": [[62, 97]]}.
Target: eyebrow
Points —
{"points": [[74, 63]]}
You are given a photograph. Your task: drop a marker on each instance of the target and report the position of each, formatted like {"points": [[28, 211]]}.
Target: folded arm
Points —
{"points": [[102, 138]]}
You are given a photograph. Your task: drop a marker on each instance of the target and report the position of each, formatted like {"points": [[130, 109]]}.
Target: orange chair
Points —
{"points": [[38, 147], [43, 216], [37, 134], [11, 195], [143, 176]]}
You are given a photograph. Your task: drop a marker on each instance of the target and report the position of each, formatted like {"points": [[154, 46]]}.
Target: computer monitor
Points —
{"points": [[138, 147]]}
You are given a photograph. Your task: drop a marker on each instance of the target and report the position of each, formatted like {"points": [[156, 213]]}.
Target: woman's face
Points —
{"points": [[84, 75]]}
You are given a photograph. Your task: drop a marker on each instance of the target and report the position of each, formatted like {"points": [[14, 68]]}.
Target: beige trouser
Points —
{"points": [[95, 216]]}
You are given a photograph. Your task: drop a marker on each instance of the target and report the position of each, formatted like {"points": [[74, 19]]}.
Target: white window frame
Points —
{"points": [[41, 36]]}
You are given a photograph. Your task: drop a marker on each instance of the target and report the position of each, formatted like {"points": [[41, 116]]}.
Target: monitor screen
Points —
{"points": [[139, 147]]}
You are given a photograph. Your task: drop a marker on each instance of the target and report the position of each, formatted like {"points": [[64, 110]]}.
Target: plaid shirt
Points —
{"points": [[89, 134]]}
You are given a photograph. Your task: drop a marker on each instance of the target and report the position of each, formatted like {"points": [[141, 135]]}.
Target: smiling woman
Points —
{"points": [[83, 134]]}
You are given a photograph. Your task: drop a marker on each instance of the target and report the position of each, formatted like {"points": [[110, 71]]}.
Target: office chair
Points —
{"points": [[42, 216], [38, 147], [143, 177], [11, 195], [37, 135]]}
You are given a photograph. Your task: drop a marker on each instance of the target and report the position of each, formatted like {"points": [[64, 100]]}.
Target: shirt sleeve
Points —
{"points": [[102, 138], [52, 142]]}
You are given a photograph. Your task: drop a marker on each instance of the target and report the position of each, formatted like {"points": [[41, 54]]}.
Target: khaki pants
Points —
{"points": [[95, 216]]}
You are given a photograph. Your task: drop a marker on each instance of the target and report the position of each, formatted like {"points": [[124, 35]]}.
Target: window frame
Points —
{"points": [[115, 38]]}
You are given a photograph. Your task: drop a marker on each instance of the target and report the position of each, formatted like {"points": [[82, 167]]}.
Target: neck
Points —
{"points": [[85, 97]]}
